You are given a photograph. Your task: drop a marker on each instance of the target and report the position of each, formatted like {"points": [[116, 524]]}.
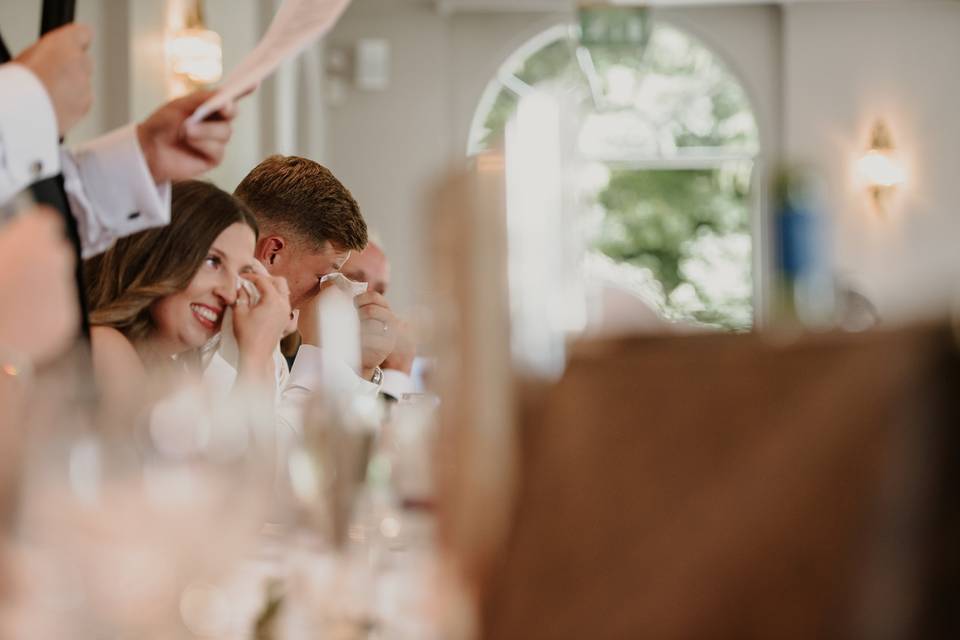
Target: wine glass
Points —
{"points": [[130, 520]]}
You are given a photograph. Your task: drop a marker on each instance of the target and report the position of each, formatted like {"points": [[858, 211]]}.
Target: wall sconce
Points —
{"points": [[371, 64], [880, 168], [195, 52], [366, 67]]}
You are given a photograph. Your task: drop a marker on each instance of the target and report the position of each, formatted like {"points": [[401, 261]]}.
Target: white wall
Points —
{"points": [[240, 24], [387, 146], [846, 66]]}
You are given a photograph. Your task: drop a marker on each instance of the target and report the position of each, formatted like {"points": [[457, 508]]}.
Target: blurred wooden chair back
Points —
{"points": [[726, 487]]}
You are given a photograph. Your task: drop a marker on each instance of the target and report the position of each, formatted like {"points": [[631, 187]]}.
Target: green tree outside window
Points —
{"points": [[675, 142]]}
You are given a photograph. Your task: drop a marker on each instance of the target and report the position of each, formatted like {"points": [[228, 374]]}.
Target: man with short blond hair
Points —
{"points": [[309, 221]]}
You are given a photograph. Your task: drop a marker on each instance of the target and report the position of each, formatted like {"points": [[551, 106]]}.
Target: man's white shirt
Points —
{"points": [[396, 383], [108, 184], [311, 372]]}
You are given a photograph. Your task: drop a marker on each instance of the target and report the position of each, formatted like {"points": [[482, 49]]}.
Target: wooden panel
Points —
{"points": [[725, 487]]}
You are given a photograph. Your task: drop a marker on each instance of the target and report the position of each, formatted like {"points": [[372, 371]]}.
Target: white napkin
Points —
{"points": [[345, 284]]}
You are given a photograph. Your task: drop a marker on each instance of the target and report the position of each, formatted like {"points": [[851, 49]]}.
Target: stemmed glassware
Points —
{"points": [[329, 471], [126, 521]]}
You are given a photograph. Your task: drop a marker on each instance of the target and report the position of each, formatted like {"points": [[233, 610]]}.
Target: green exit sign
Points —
{"points": [[614, 26]]}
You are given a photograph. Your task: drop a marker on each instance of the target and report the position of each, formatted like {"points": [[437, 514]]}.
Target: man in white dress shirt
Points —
{"points": [[309, 224], [118, 184]]}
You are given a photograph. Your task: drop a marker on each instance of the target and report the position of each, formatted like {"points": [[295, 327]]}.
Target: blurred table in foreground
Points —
{"points": [[732, 487]]}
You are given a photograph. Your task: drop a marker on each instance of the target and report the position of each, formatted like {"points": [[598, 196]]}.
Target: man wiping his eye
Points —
{"points": [[309, 226]]}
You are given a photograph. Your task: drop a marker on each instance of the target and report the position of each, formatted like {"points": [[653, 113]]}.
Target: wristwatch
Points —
{"points": [[377, 376]]}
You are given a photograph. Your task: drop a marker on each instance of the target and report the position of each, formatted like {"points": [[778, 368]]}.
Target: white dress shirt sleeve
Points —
{"points": [[397, 383], [111, 191], [289, 420], [308, 375], [108, 184], [29, 147]]}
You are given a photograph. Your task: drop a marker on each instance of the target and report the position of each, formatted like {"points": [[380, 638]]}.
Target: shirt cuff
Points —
{"points": [[122, 195], [311, 370], [29, 139], [396, 383]]}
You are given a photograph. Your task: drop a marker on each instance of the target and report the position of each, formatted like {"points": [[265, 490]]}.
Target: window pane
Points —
{"points": [[690, 230], [672, 136]]}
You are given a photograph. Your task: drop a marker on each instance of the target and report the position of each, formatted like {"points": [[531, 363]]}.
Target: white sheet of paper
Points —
{"points": [[296, 25]]}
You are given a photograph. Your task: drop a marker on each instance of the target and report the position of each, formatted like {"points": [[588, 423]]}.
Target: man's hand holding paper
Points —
{"points": [[297, 24], [174, 149]]}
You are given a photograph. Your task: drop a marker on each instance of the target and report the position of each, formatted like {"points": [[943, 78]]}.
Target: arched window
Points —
{"points": [[670, 154]]}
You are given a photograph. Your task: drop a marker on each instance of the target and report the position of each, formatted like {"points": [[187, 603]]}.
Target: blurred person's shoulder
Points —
{"points": [[114, 357]]}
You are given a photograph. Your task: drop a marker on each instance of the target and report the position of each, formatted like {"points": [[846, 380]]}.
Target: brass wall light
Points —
{"points": [[881, 169], [194, 52]]}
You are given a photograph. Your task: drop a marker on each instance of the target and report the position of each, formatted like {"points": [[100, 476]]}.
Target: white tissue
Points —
{"points": [[345, 284], [248, 286], [339, 330], [251, 289]]}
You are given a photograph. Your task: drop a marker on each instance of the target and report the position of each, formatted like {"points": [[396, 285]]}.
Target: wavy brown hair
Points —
{"points": [[125, 281]]}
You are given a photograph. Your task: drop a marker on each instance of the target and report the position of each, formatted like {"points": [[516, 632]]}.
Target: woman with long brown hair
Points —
{"points": [[158, 296]]}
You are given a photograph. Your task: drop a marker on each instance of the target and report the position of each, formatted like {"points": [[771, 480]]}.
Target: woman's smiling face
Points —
{"points": [[189, 318]]}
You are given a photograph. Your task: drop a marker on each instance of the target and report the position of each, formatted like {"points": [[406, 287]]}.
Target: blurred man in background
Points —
{"points": [[371, 266]]}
